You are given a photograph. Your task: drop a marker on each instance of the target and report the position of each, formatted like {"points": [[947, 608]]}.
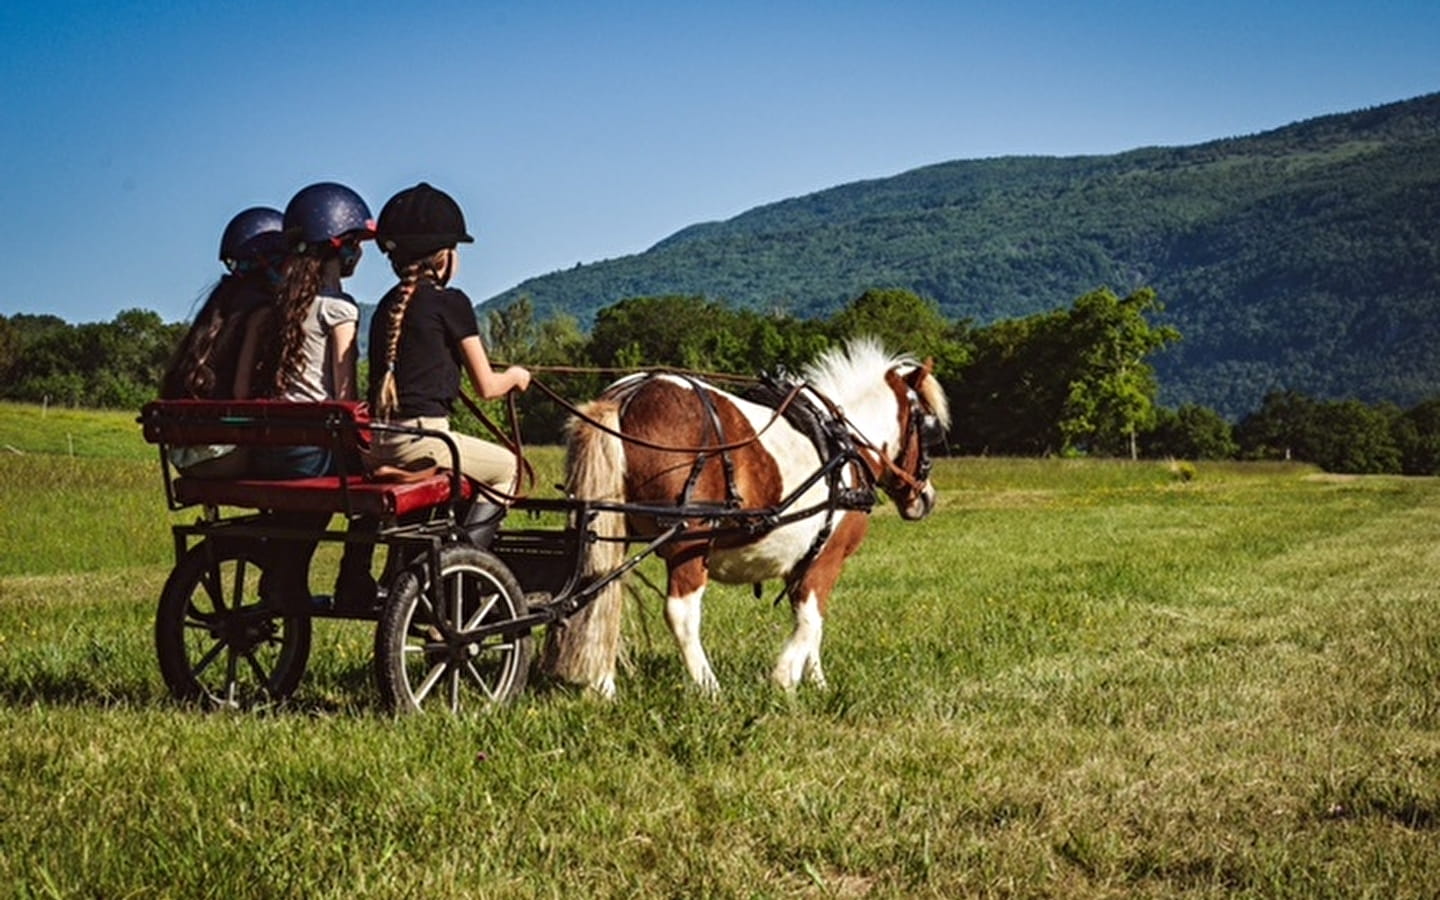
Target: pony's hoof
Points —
{"points": [[603, 689]]}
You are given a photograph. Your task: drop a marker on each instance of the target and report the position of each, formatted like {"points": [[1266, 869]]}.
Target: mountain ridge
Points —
{"points": [[1306, 256]]}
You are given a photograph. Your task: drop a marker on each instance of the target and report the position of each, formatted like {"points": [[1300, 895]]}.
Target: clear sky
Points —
{"points": [[132, 130]]}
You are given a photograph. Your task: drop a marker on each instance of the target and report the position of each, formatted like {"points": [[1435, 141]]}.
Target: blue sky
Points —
{"points": [[130, 132]]}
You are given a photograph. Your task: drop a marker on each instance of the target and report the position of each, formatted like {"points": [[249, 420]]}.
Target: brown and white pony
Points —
{"points": [[889, 406]]}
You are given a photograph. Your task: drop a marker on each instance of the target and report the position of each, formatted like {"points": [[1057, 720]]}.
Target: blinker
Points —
{"points": [[931, 431]]}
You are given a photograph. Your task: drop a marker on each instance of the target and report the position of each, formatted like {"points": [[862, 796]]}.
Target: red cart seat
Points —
{"points": [[344, 427]]}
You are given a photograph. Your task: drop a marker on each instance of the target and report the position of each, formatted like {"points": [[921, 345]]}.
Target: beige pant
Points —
{"points": [[483, 461]]}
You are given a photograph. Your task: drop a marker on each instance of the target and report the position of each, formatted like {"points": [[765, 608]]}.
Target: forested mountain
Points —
{"points": [[1305, 258]]}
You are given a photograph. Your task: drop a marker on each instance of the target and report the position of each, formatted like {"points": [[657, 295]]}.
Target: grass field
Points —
{"points": [[1077, 679]]}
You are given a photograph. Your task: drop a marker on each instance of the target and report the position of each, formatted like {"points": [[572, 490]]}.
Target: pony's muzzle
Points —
{"points": [[919, 506]]}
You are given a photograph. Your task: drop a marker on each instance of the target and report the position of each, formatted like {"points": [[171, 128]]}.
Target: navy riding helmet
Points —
{"points": [[326, 214], [253, 234]]}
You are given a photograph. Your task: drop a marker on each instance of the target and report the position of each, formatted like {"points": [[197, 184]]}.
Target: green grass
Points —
{"points": [[85, 433], [1082, 679]]}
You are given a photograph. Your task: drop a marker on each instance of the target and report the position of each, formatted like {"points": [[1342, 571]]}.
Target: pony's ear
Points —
{"points": [[918, 376]]}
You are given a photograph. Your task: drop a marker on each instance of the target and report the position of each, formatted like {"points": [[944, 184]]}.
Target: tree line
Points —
{"points": [[116, 364], [1072, 381]]}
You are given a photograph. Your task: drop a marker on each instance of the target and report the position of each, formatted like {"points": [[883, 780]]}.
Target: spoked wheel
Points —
{"points": [[428, 654], [216, 642]]}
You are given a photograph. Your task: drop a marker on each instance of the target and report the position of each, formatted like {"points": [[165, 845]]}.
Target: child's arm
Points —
{"points": [[487, 381], [342, 360]]}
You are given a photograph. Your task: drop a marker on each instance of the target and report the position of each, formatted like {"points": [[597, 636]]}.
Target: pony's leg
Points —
{"points": [[682, 614], [800, 657]]}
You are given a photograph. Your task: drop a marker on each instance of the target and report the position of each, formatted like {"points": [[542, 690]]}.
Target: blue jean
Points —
{"points": [[291, 462]]}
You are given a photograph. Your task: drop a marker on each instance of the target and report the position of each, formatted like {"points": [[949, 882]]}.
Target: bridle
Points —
{"points": [[906, 473]]}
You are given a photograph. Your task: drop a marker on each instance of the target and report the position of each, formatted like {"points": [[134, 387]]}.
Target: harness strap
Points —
{"points": [[834, 440], [717, 429], [869, 457], [652, 445]]}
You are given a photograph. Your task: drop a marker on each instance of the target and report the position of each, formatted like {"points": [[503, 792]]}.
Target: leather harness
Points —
{"points": [[826, 429]]}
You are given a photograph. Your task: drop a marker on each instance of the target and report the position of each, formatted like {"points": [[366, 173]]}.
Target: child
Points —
{"points": [[204, 366], [423, 333], [304, 350]]}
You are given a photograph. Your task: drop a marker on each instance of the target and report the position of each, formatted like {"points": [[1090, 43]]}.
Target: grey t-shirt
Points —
{"points": [[316, 380]]}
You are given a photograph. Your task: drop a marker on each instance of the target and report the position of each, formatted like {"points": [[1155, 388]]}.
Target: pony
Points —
{"points": [[779, 485]]}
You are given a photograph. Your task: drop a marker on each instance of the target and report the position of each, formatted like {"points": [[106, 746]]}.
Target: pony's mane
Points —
{"points": [[841, 372], [848, 374], [933, 396]]}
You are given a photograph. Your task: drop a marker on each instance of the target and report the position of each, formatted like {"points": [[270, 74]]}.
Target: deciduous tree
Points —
{"points": [[1112, 387]]}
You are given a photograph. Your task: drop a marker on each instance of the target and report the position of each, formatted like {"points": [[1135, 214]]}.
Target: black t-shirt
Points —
{"points": [[428, 359]]}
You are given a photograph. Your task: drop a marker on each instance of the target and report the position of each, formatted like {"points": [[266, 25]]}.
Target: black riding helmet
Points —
{"points": [[419, 221], [254, 234], [325, 215]]}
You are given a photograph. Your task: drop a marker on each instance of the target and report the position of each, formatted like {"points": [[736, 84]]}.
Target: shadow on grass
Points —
{"points": [[343, 691], [654, 681], [50, 689], [1387, 800]]}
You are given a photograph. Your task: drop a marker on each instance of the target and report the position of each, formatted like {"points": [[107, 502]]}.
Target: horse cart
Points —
{"points": [[454, 622]]}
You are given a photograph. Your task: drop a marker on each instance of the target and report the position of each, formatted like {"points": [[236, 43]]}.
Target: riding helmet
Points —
{"points": [[326, 214], [419, 221], [253, 234]]}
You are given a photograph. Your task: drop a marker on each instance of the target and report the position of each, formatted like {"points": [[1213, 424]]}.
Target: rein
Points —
{"points": [[523, 470], [661, 370], [878, 462], [651, 445], [875, 459], [848, 443]]}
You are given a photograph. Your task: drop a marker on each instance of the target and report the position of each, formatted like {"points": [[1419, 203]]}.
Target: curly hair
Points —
{"points": [[428, 268], [283, 359], [194, 369]]}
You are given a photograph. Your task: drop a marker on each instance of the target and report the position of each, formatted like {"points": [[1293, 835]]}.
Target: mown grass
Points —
{"points": [[1076, 679]]}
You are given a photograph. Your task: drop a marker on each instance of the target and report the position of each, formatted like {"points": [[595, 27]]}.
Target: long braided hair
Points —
{"points": [[283, 359], [427, 268]]}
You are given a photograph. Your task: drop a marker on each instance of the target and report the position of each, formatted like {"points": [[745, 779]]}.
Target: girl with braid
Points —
{"points": [[424, 332]]}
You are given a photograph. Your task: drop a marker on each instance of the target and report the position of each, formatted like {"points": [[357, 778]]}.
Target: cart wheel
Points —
{"points": [[423, 658], [216, 642]]}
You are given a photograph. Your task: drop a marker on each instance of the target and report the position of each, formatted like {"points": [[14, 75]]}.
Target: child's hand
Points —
{"points": [[521, 377]]}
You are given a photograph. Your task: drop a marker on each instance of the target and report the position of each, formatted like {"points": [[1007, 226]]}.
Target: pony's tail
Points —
{"points": [[583, 649]]}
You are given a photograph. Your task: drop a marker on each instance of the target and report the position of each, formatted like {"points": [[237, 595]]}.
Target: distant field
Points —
{"points": [[1077, 679], [81, 433]]}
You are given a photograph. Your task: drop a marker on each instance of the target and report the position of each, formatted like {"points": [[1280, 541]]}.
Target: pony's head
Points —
{"points": [[899, 412], [924, 418]]}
